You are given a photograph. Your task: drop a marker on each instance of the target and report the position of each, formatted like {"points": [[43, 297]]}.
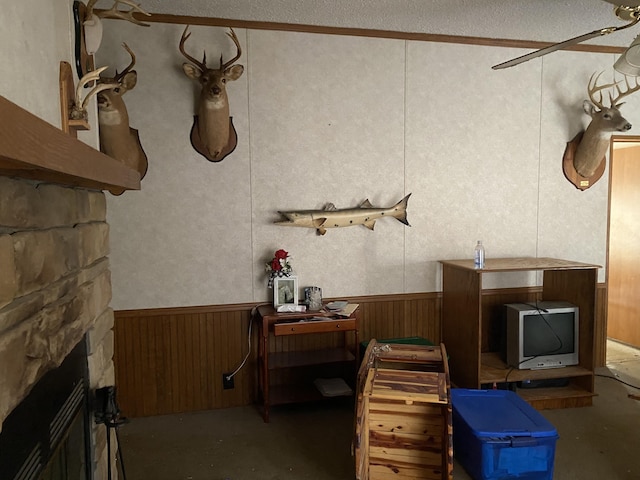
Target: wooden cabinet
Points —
{"points": [[286, 370], [468, 325]]}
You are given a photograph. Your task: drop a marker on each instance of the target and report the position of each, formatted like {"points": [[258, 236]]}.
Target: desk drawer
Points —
{"points": [[316, 326]]}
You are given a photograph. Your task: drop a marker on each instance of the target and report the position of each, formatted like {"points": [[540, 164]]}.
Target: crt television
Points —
{"points": [[541, 335]]}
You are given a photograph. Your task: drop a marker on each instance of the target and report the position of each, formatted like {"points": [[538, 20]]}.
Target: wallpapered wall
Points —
{"points": [[328, 118]]}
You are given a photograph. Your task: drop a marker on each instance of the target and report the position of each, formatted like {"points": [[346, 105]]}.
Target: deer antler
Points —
{"points": [[113, 12], [621, 94], [79, 108], [233, 37], [593, 89], [90, 5], [614, 101], [201, 65], [120, 76]]}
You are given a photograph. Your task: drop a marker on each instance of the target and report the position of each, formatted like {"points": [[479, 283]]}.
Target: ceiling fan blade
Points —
{"points": [[553, 48], [632, 14]]}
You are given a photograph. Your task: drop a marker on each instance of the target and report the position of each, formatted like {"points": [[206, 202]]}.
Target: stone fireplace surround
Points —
{"points": [[55, 288]]}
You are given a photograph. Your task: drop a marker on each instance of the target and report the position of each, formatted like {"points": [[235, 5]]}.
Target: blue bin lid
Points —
{"points": [[499, 413]]}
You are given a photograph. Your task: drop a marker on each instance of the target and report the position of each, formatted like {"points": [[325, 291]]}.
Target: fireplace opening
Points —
{"points": [[69, 461], [47, 436]]}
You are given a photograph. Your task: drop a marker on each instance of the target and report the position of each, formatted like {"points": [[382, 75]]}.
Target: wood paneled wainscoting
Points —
{"points": [[172, 360]]}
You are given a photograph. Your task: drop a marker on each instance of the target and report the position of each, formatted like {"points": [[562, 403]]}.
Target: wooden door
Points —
{"points": [[623, 263]]}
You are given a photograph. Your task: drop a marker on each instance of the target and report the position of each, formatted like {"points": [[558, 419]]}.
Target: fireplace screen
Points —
{"points": [[46, 437]]}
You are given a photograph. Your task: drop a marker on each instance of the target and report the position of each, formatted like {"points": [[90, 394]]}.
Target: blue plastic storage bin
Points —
{"points": [[499, 436]]}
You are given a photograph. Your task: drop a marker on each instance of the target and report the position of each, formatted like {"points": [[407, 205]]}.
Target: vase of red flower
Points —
{"points": [[279, 266]]}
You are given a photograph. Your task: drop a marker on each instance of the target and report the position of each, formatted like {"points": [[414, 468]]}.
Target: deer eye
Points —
{"points": [[607, 116], [224, 80], [117, 89]]}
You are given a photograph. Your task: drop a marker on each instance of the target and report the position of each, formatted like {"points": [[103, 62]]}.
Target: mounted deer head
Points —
{"points": [[117, 138], [591, 151], [212, 133]]}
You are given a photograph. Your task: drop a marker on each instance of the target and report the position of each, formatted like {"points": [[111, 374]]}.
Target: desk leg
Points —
{"points": [[264, 376], [357, 349]]}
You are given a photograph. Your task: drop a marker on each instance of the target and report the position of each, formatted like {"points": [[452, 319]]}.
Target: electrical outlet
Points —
{"points": [[227, 381]]}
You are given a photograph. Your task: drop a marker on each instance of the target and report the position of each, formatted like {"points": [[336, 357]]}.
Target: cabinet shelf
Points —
{"points": [[493, 369], [284, 394], [554, 393], [310, 357]]}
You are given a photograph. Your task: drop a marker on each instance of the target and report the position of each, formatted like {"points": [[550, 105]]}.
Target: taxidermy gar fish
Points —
{"points": [[332, 217]]}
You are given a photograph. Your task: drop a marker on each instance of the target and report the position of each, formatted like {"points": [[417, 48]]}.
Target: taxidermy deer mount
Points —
{"points": [[117, 138], [585, 156], [213, 134]]}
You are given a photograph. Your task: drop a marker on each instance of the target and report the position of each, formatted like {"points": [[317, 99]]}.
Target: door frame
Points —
{"points": [[616, 140]]}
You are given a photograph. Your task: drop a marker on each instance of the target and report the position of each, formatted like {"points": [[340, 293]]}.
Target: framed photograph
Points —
{"points": [[285, 291]]}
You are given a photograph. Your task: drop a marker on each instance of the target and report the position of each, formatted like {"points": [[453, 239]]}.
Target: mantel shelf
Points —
{"points": [[33, 149]]}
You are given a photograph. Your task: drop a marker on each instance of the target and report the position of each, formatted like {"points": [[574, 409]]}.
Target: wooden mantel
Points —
{"points": [[33, 149]]}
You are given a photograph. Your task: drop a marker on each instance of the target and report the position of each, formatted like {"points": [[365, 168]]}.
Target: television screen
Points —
{"points": [[548, 334]]}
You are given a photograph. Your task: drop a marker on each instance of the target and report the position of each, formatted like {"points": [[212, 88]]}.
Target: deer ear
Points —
{"points": [[234, 73], [191, 71], [130, 79], [589, 108]]}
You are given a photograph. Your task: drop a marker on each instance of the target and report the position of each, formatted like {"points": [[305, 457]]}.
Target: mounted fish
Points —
{"points": [[332, 217]]}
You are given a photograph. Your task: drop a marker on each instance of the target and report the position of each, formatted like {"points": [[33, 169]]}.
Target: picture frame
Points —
{"points": [[285, 291]]}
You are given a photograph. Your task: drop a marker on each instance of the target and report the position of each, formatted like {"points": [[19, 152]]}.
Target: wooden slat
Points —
{"points": [[366, 32], [402, 449], [427, 423], [402, 471], [408, 385]]}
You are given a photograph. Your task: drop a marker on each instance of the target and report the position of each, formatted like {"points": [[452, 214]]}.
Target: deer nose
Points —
{"points": [[216, 90], [627, 126]]}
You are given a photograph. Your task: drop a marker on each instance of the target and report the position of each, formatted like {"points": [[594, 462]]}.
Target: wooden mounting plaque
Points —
{"points": [[67, 95], [580, 182]]}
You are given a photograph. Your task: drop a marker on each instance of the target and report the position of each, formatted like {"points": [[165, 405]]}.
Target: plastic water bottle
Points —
{"points": [[478, 255]]}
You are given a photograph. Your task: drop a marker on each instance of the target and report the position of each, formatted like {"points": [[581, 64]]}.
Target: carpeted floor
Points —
{"points": [[312, 442]]}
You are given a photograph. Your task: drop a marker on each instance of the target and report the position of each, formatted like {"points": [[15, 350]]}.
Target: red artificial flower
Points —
{"points": [[281, 254], [275, 264]]}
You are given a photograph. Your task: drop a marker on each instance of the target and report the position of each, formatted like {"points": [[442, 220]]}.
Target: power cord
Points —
{"points": [[617, 380], [230, 376], [254, 310]]}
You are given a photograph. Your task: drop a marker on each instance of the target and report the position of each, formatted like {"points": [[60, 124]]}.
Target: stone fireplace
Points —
{"points": [[55, 289]]}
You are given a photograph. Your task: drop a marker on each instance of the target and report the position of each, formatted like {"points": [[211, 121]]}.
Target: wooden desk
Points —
{"points": [[274, 328]]}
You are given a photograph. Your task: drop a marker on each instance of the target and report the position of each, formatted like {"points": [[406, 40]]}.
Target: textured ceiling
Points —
{"points": [[543, 20]]}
